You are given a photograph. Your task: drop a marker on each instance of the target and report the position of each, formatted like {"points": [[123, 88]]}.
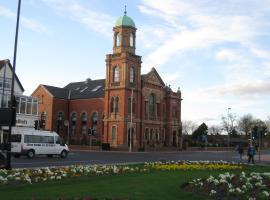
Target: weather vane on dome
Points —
{"points": [[125, 10]]}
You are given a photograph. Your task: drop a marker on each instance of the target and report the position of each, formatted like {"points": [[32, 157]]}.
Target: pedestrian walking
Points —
{"points": [[241, 152], [250, 153]]}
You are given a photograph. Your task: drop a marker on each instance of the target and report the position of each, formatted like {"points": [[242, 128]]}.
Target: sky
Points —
{"points": [[217, 52]]}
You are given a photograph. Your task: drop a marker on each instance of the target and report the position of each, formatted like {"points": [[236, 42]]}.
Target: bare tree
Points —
{"points": [[245, 123], [215, 130], [228, 122], [188, 127]]}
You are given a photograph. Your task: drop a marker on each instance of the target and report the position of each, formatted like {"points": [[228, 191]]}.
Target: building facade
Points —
{"points": [[27, 106], [124, 109]]}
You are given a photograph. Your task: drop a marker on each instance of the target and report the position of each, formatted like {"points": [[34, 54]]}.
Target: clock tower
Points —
{"points": [[123, 87]]}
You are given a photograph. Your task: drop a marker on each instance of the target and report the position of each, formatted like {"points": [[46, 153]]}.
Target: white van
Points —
{"points": [[31, 142]]}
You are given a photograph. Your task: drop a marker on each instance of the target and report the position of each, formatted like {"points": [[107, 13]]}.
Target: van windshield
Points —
{"points": [[58, 140], [16, 138]]}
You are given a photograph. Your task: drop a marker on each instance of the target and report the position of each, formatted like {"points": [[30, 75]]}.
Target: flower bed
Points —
{"points": [[193, 165], [253, 186], [58, 173]]}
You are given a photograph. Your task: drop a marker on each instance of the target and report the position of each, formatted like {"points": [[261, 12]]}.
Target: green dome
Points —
{"points": [[125, 21]]}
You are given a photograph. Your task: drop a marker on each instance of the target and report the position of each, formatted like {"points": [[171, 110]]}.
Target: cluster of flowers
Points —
{"points": [[58, 173], [251, 186], [193, 165]]}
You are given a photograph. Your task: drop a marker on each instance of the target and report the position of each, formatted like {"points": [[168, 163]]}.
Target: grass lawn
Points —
{"points": [[153, 186]]}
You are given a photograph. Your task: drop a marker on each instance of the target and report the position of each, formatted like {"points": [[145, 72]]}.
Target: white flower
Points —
{"points": [[213, 192], [238, 190], [265, 193], [231, 190]]}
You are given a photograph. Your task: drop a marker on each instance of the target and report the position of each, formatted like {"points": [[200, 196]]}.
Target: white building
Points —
{"points": [[27, 107]]}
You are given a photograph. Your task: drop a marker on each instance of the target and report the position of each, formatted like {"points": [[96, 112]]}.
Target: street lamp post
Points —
{"points": [[8, 165], [131, 115], [228, 127]]}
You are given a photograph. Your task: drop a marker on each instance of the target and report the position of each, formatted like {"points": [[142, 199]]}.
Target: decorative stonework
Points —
{"points": [[152, 78]]}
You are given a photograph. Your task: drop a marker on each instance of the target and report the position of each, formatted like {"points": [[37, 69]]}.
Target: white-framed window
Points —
{"points": [[73, 119], [6, 83], [94, 121], [117, 37], [152, 106], [117, 104], [116, 74], [112, 104], [84, 123], [114, 132], [131, 39], [131, 75]]}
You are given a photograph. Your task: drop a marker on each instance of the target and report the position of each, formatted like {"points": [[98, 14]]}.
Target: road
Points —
{"points": [[87, 157]]}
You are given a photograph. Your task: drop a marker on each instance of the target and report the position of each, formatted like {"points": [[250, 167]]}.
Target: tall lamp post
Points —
{"points": [[131, 126], [228, 127], [8, 165]]}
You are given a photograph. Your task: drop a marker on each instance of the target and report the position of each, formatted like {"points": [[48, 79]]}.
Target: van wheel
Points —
{"points": [[31, 154], [64, 154]]}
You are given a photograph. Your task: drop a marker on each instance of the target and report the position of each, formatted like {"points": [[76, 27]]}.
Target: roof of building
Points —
{"points": [[153, 71], [79, 90], [3, 63], [87, 89], [125, 21], [60, 93]]}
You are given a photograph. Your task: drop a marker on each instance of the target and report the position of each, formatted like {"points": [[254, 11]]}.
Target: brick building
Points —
{"points": [[124, 108]]}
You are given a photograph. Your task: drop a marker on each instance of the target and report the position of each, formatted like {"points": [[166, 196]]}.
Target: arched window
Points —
{"points": [[114, 133], [131, 75], [60, 118], [117, 104], [112, 104], [146, 133], [116, 74], [117, 38], [131, 40], [151, 134], [152, 106], [84, 123], [157, 135], [73, 120], [94, 122], [129, 105]]}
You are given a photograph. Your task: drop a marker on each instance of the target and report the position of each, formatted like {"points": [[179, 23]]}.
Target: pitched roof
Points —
{"points": [[87, 89], [3, 63], [153, 71], [60, 93], [79, 90]]}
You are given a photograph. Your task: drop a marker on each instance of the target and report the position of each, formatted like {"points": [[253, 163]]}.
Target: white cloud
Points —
{"points": [[261, 53], [198, 25], [168, 78], [27, 22], [96, 21], [227, 55], [267, 68], [245, 88]]}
